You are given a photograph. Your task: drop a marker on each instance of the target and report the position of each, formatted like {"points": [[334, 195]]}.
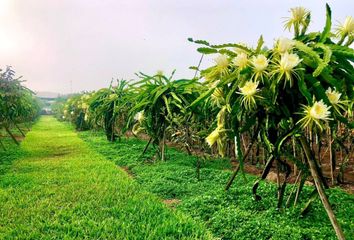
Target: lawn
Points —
{"points": [[55, 186], [228, 215]]}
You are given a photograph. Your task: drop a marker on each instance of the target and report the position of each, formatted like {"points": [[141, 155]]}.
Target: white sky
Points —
{"points": [[54, 42]]}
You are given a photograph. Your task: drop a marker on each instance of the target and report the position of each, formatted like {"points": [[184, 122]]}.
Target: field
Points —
{"points": [[59, 186], [258, 144]]}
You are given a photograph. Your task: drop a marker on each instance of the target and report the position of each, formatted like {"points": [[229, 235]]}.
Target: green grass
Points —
{"points": [[56, 187], [12, 152], [229, 215]]}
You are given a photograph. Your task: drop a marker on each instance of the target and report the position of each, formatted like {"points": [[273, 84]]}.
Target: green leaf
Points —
{"points": [[330, 79], [279, 143], [229, 94], [304, 90], [307, 23], [176, 97], [202, 97], [232, 45], [139, 106], [319, 91], [194, 68], [327, 29], [206, 50], [227, 52], [202, 42], [342, 51], [327, 53], [167, 104], [346, 65], [159, 93], [308, 50], [259, 44]]}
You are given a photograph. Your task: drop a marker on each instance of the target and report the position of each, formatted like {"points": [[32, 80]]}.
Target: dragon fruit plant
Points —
{"points": [[300, 87]]}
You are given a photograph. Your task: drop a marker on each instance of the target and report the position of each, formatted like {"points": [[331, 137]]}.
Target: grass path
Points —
{"points": [[58, 188]]}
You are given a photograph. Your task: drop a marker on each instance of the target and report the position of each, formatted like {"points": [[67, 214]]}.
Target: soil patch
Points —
{"points": [[127, 170], [171, 203]]}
